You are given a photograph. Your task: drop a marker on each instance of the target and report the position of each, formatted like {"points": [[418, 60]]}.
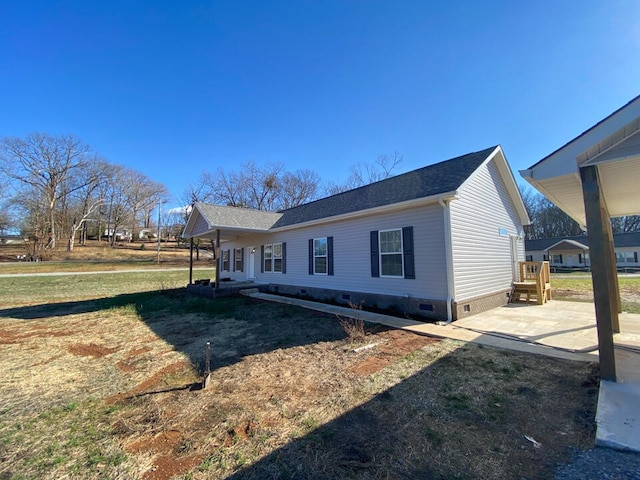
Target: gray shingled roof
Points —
{"points": [[620, 240], [428, 181], [235, 217]]}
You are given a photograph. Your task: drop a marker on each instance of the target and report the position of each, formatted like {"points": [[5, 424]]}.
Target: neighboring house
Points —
{"points": [[120, 235], [147, 234], [573, 252], [12, 239], [442, 241]]}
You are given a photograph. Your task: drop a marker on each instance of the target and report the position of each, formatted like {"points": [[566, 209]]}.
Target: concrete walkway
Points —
{"points": [[557, 329]]}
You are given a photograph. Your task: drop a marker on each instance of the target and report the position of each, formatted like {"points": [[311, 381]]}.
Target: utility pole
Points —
{"points": [[159, 204]]}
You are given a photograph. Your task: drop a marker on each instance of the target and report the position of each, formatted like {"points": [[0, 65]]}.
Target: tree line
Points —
{"points": [[56, 188], [271, 187], [549, 221]]}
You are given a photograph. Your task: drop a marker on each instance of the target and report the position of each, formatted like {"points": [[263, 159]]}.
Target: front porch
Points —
{"points": [[207, 287]]}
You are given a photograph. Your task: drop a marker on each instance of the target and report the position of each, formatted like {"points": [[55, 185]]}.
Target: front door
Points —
{"points": [[251, 262]]}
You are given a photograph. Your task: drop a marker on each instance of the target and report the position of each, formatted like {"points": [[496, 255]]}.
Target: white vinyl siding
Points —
{"points": [[483, 220], [200, 225], [351, 254]]}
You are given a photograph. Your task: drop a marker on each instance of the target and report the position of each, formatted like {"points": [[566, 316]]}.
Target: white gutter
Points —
{"points": [[448, 253]]}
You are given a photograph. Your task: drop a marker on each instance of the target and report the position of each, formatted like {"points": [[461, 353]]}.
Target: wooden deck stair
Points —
{"points": [[534, 282]]}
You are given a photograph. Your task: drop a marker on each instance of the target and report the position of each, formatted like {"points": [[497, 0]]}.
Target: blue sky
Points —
{"points": [[172, 88]]}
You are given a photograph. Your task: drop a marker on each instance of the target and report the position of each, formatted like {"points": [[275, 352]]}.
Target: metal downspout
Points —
{"points": [[448, 251]]}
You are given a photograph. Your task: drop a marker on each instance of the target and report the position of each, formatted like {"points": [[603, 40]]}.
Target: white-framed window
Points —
{"points": [[273, 258], [556, 259], [320, 256], [268, 258], [225, 260], [391, 253], [625, 257], [238, 259]]}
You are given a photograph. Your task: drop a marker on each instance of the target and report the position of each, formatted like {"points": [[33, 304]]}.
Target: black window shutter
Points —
{"points": [[330, 255], [561, 258], [284, 257], [635, 257], [311, 256], [242, 259], [408, 253], [233, 262], [375, 261], [261, 258], [579, 258]]}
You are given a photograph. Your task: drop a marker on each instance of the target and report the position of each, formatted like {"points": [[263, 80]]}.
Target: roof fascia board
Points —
{"points": [[191, 222], [372, 211], [577, 245], [556, 163]]}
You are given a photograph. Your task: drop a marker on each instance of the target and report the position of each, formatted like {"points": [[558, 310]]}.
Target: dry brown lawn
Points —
{"points": [[110, 388], [98, 256]]}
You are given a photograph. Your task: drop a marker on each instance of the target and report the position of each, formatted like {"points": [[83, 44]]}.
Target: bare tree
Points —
{"points": [[547, 219], [86, 197], [297, 188], [44, 163], [250, 187], [116, 201], [363, 174], [5, 215], [630, 223], [262, 185]]}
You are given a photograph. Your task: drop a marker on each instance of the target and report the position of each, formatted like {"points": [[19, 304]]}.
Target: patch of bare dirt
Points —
{"points": [[151, 384], [90, 350], [392, 345]]}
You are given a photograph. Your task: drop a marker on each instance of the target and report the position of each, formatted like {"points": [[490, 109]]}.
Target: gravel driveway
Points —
{"points": [[601, 464]]}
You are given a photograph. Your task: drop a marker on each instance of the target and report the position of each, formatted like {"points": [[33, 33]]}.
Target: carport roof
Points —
{"points": [[612, 144]]}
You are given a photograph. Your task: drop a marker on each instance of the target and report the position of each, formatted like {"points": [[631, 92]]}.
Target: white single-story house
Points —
{"points": [[573, 251], [443, 241]]}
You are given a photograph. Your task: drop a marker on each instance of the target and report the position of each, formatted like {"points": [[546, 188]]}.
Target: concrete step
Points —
{"points": [[249, 291]]}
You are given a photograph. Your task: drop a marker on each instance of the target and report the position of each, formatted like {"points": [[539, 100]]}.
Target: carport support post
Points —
{"points": [[191, 261], [603, 272]]}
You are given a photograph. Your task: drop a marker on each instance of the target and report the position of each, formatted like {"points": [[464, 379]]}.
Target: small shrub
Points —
{"points": [[354, 325]]}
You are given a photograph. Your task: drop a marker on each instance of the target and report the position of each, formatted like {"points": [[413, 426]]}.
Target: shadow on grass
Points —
{"points": [[235, 326], [465, 416]]}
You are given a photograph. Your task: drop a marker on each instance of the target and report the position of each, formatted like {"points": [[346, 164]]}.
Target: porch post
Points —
{"points": [[602, 270], [191, 261], [217, 252]]}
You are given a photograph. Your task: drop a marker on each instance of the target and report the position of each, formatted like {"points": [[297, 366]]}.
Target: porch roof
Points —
{"points": [[205, 220], [567, 245]]}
